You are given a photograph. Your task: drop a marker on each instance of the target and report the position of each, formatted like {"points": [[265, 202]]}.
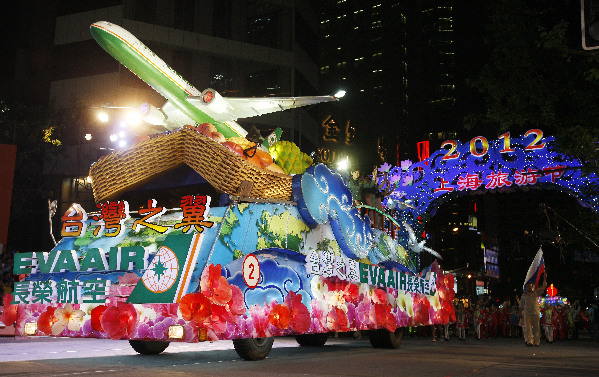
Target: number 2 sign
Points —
{"points": [[251, 271]]}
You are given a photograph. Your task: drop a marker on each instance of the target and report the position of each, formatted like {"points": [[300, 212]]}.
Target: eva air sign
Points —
{"points": [[165, 279], [325, 263]]}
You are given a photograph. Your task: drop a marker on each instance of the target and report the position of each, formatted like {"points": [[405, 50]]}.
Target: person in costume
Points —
{"points": [[548, 323], [530, 311], [461, 321], [476, 321], [493, 321]]}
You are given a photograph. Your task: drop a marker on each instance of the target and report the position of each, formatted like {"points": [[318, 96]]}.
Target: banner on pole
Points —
{"points": [[536, 269]]}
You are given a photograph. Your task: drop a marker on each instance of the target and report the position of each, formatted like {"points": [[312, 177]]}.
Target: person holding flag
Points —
{"points": [[529, 302]]}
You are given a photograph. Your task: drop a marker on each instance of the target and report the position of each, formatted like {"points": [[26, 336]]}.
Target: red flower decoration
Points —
{"points": [[446, 294], [442, 316], [195, 306], [237, 303], [280, 316], [390, 322], [380, 311], [260, 319], [165, 310], [440, 281], [351, 293], [343, 321], [220, 315], [96, 316], [217, 320], [216, 286], [421, 309], [444, 285], [449, 281], [9, 315], [380, 297], [217, 303], [337, 320], [300, 316], [449, 309], [119, 321], [46, 320], [334, 284]]}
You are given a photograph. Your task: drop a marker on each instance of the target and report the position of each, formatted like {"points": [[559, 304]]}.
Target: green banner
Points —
{"points": [[167, 277]]}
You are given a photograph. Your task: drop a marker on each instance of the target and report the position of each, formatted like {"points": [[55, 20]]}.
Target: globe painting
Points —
{"points": [[162, 272]]}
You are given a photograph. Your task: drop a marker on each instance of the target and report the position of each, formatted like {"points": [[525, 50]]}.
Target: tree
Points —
{"points": [[538, 76], [33, 130]]}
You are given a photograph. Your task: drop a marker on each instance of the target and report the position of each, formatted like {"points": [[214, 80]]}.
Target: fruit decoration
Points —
{"points": [[249, 151], [242, 141], [208, 130], [289, 159], [288, 156]]}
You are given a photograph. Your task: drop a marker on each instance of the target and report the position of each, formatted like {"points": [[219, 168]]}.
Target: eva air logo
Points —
{"points": [[162, 271], [272, 138], [168, 275]]}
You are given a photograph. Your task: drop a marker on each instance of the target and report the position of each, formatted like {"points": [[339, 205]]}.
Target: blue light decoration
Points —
{"points": [[529, 161], [553, 301], [324, 200], [322, 196]]}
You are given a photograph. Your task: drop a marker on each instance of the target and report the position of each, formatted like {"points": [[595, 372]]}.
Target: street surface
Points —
{"points": [[339, 357]]}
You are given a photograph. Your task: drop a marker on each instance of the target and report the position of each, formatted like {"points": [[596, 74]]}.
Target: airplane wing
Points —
{"points": [[171, 117], [239, 108]]}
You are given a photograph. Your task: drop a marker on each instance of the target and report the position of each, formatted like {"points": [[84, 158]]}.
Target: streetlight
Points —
{"points": [[103, 116], [134, 117], [339, 94], [343, 164]]}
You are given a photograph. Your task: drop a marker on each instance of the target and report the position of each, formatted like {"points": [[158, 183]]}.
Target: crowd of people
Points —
{"points": [[559, 322]]}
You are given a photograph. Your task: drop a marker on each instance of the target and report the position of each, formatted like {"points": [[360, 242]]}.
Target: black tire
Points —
{"points": [[375, 338], [253, 348], [144, 347], [312, 340], [383, 338]]}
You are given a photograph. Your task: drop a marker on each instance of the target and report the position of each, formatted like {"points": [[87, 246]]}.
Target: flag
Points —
{"points": [[536, 269], [272, 138]]}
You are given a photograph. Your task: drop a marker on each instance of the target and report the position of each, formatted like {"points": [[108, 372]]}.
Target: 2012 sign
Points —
{"points": [[534, 144]]}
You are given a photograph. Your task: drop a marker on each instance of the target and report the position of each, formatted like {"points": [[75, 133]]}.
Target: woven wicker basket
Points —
{"points": [[226, 171]]}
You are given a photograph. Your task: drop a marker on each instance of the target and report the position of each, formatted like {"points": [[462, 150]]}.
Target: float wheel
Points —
{"points": [[312, 340], [383, 338], [253, 348], [144, 347]]}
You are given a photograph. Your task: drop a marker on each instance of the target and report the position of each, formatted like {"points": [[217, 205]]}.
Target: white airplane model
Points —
{"points": [[186, 104]]}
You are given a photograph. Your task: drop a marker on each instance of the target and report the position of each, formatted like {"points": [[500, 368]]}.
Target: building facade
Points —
{"points": [[405, 67]]}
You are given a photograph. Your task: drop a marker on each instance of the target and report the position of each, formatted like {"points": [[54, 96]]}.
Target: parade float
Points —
{"points": [[203, 234]]}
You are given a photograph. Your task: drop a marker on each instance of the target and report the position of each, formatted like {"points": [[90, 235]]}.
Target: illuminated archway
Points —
{"points": [[529, 161]]}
